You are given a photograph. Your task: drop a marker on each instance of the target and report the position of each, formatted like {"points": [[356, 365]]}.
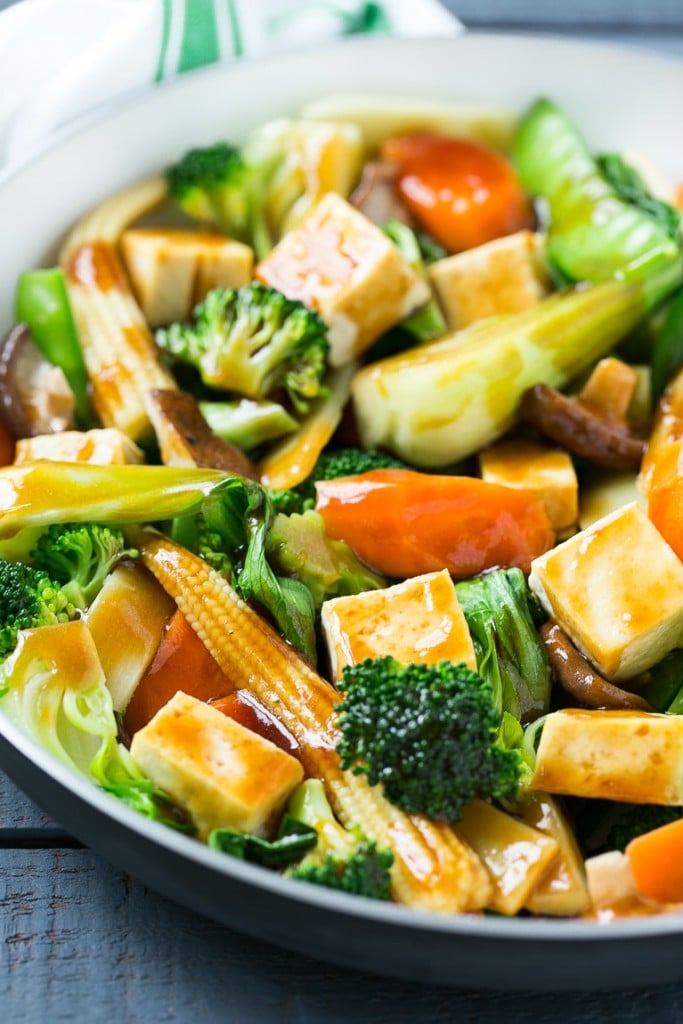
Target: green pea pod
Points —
{"points": [[42, 303], [667, 355]]}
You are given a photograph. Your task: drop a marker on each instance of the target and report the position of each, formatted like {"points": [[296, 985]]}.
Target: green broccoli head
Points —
{"points": [[28, 599], [428, 733], [254, 341], [343, 859], [364, 871], [212, 184], [80, 556]]}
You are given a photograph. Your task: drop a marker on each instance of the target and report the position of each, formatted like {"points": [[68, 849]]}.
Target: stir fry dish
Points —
{"points": [[341, 508]]}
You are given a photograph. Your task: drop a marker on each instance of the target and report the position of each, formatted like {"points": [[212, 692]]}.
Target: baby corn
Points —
{"points": [[433, 868], [118, 348]]}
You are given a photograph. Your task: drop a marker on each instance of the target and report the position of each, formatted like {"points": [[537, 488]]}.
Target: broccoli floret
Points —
{"points": [[298, 546], [28, 599], [428, 733], [342, 859], [80, 556], [331, 465], [254, 341], [634, 820], [213, 185]]}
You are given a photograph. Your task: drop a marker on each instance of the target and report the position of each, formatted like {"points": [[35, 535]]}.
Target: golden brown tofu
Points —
{"points": [[515, 855], [631, 756], [105, 447], [171, 270], [561, 891], [342, 265], [616, 589], [127, 619], [221, 773], [419, 620], [603, 492], [547, 472], [506, 275], [610, 388]]}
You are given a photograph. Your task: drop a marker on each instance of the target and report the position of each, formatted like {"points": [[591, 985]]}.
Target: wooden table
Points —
{"points": [[82, 941]]}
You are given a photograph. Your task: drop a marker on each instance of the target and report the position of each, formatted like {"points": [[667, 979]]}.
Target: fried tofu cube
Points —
{"points": [[604, 491], [419, 620], [616, 589], [339, 263], [506, 275], [223, 774], [546, 472], [630, 756], [105, 447], [171, 270]]}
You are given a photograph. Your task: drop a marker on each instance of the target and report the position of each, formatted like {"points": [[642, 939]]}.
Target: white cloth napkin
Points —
{"points": [[61, 58]]}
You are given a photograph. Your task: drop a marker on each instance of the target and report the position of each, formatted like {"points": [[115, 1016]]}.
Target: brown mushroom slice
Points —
{"points": [[581, 430], [185, 438], [578, 678], [35, 397], [376, 195]]}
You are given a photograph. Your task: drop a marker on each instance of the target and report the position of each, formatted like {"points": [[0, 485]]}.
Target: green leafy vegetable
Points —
{"points": [[630, 187], [594, 233], [298, 546], [510, 653], [294, 839], [426, 323], [343, 859], [667, 354], [54, 689]]}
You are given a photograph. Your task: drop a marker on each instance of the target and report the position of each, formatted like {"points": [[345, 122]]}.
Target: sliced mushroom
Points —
{"points": [[35, 397], [582, 430], [185, 438], [578, 678], [376, 195]]}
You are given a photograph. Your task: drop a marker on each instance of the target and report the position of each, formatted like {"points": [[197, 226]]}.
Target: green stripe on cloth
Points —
{"points": [[165, 35], [237, 44], [199, 44]]}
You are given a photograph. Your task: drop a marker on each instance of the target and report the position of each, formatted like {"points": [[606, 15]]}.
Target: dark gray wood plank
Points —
{"points": [[16, 810], [80, 941]]}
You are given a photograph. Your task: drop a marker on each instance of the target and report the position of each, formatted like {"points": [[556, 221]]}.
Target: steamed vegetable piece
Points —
{"points": [[461, 192], [432, 868], [595, 234], [428, 733], [332, 464], [402, 523], [427, 323], [302, 161], [299, 547], [246, 423], [79, 556], [231, 532], [40, 493], [667, 354], [118, 349], [656, 860], [42, 303], [342, 858], [293, 840], [53, 688], [447, 399], [28, 599], [254, 341], [510, 654]]}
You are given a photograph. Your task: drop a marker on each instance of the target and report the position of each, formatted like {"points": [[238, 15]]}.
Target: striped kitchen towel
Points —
{"points": [[61, 58]]}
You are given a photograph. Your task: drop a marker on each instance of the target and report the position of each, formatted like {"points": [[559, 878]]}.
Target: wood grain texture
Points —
{"points": [[81, 941]]}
